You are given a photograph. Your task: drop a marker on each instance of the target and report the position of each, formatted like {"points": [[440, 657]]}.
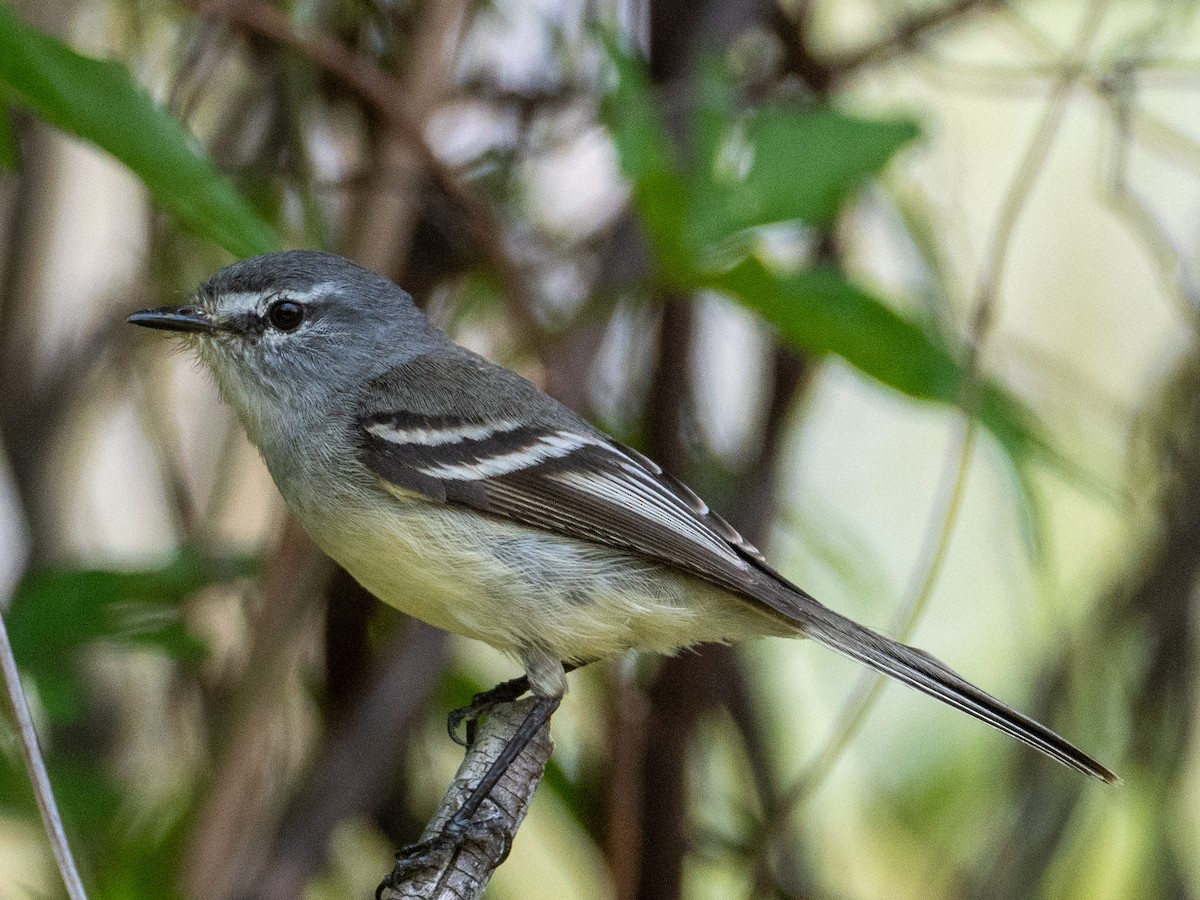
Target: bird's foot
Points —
{"points": [[482, 704]]}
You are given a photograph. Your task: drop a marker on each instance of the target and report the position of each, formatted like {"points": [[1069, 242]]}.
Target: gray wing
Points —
{"points": [[521, 456], [457, 429]]}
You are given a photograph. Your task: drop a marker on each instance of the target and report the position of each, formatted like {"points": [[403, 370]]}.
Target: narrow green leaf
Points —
{"points": [[141, 860], [786, 164], [779, 164], [819, 311], [10, 159], [56, 612], [716, 124], [127, 857], [85, 792], [630, 111], [644, 150], [99, 102]]}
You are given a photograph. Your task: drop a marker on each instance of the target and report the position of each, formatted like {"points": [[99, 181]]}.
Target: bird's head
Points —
{"points": [[284, 332]]}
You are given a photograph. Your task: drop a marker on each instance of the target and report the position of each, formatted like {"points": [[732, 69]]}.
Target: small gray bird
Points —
{"points": [[456, 491]]}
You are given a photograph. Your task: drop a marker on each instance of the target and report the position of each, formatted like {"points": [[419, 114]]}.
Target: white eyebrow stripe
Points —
{"points": [[242, 302], [317, 290], [238, 303], [554, 445], [439, 436]]}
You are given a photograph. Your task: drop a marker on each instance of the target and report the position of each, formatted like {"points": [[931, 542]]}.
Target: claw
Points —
{"points": [[470, 714], [482, 704]]}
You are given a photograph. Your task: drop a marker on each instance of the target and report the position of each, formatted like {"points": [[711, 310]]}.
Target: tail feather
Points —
{"points": [[925, 673]]}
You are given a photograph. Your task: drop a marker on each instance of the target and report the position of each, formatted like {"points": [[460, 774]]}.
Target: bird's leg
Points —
{"points": [[481, 704], [543, 708]]}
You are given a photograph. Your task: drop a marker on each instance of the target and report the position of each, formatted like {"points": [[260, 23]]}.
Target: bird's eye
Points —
{"points": [[286, 315]]}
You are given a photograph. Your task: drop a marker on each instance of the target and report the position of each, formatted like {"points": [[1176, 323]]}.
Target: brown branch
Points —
{"points": [[688, 686], [382, 227], [907, 34], [463, 873], [38, 391], [823, 75], [386, 94], [627, 729]]}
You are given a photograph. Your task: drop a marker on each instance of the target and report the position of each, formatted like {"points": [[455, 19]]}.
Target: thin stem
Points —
{"points": [[867, 690], [36, 767], [907, 34], [982, 321], [869, 686], [1071, 71]]}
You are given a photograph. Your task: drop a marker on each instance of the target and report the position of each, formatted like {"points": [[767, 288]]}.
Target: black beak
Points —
{"points": [[183, 318]]}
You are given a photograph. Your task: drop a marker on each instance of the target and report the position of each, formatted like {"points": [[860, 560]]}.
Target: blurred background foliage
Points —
{"points": [[906, 288]]}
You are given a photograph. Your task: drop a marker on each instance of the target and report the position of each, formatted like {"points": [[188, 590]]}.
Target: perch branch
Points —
{"points": [[463, 872]]}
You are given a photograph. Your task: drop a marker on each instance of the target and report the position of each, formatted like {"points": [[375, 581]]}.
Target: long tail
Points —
{"points": [[918, 669]]}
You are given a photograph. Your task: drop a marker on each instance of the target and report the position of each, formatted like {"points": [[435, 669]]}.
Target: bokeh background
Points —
{"points": [[908, 290]]}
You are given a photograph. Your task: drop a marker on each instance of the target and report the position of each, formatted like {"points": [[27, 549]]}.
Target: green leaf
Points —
{"points": [[644, 150], [10, 158], [99, 102], [631, 112], [124, 855], [819, 311], [55, 612], [715, 120], [773, 164], [779, 164], [142, 859], [88, 798]]}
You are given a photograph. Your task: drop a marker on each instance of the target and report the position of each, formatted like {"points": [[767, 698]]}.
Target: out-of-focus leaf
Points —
{"points": [[582, 800], [787, 164], [644, 150], [87, 797], [818, 310], [777, 164], [630, 110], [9, 156], [127, 859], [55, 612], [773, 164], [457, 689], [99, 102], [142, 861]]}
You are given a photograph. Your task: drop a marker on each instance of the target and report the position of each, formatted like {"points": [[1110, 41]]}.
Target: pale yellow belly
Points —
{"points": [[516, 588]]}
